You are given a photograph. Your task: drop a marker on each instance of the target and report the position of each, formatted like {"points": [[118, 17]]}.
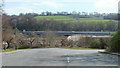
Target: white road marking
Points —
{"points": [[68, 59]]}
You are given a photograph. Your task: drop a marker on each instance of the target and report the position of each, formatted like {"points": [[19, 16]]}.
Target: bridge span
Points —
{"points": [[69, 33]]}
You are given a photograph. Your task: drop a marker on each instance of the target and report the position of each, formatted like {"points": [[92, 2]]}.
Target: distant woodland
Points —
{"points": [[64, 21]]}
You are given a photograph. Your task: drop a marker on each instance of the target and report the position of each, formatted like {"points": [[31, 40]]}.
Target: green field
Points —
{"points": [[68, 19], [58, 18]]}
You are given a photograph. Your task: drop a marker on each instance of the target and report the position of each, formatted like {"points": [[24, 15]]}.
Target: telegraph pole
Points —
{"points": [[1, 13]]}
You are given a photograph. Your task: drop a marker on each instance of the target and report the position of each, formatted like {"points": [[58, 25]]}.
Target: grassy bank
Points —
{"points": [[81, 48], [6, 50]]}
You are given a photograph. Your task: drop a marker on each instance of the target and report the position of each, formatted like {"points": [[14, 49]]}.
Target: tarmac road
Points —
{"points": [[59, 57]]}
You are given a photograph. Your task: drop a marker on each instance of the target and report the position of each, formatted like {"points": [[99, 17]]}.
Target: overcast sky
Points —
{"points": [[37, 6]]}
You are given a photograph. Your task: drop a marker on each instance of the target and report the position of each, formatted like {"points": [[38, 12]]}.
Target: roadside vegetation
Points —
{"points": [[115, 43], [6, 50], [81, 48], [52, 40]]}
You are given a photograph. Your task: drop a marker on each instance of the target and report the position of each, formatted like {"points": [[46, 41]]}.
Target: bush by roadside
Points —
{"points": [[115, 43], [94, 42]]}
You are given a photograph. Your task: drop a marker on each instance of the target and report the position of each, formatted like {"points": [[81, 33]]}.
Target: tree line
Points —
{"points": [[29, 23]]}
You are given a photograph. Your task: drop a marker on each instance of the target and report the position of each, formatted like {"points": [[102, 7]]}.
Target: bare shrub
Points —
{"points": [[51, 39], [95, 43], [84, 41]]}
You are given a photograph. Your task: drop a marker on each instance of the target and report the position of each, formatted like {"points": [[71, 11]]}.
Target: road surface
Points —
{"points": [[59, 57]]}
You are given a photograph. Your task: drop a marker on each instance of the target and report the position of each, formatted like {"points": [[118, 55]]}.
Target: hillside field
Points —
{"points": [[68, 19]]}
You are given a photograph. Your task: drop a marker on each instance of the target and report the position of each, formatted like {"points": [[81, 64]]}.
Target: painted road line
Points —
{"points": [[68, 59]]}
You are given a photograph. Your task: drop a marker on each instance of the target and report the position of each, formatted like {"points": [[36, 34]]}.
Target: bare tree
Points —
{"points": [[7, 34], [51, 38], [0, 30], [31, 41]]}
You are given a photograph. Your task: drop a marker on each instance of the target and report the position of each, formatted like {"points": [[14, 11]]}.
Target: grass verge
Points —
{"points": [[82, 48], [6, 50]]}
